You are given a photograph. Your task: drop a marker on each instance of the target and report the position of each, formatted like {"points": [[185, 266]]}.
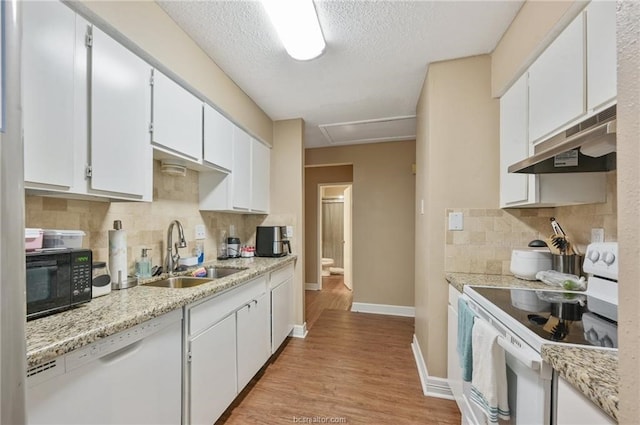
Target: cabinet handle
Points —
{"points": [[255, 301]]}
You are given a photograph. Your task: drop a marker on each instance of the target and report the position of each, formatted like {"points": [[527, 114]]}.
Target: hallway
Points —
{"points": [[334, 296], [352, 368]]}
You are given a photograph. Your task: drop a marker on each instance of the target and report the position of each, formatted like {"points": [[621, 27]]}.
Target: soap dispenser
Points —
{"points": [[143, 265]]}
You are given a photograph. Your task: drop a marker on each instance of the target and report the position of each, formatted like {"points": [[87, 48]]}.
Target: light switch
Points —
{"points": [[455, 221], [201, 232]]}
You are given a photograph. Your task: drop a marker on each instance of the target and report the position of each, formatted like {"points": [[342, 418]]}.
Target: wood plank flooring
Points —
{"points": [[352, 368], [334, 295]]}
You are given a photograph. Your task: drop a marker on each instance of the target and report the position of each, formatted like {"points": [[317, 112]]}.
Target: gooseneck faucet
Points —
{"points": [[171, 259]]}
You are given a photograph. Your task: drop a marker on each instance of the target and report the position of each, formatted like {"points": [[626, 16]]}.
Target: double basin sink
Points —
{"points": [[190, 282]]}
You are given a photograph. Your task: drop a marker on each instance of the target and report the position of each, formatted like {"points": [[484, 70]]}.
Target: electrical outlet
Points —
{"points": [[455, 221], [289, 231], [597, 235], [201, 232]]}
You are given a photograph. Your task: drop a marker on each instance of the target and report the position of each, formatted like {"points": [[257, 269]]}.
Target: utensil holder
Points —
{"points": [[570, 264]]}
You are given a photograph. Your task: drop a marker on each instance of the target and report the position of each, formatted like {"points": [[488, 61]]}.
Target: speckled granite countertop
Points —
{"points": [[592, 371], [52, 336], [459, 280]]}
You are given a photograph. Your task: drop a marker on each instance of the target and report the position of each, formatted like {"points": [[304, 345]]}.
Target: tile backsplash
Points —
{"points": [[489, 235], [174, 198]]}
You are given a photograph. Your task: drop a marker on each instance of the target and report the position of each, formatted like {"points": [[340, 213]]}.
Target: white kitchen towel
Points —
{"points": [[489, 380]]}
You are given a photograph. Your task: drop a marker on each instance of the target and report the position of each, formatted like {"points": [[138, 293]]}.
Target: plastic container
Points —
{"points": [[62, 238], [32, 239]]}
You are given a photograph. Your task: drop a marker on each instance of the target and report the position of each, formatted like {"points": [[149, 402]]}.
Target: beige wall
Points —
{"points": [[383, 225], [457, 153], [537, 23], [628, 24], [151, 29], [287, 192], [313, 176]]}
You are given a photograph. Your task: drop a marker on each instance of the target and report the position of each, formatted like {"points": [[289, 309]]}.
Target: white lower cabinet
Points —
{"points": [[572, 407], [253, 331], [227, 341], [281, 283], [213, 360], [454, 371]]}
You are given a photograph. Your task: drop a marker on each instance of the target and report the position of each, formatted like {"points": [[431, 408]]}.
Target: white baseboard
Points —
{"points": [[431, 386], [312, 286], [299, 331], [391, 310]]}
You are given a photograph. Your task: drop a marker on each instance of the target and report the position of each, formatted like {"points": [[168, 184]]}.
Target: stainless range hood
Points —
{"points": [[586, 147]]}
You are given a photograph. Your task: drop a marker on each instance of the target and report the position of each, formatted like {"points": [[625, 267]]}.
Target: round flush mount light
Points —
{"points": [[173, 167]]}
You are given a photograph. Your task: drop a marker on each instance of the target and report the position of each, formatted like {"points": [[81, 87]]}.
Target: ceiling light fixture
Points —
{"points": [[297, 25]]}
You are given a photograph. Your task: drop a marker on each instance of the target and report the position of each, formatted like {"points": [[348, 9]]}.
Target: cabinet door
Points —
{"points": [[212, 371], [48, 50], [281, 313], [572, 407], [556, 82], [601, 53], [241, 169], [218, 139], [253, 335], [260, 166], [177, 118], [121, 156], [514, 143]]}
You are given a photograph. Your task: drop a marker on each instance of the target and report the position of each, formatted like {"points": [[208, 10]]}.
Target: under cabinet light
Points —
{"points": [[297, 25]]}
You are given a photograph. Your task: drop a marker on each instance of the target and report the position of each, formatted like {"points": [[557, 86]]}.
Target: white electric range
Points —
{"points": [[529, 318]]}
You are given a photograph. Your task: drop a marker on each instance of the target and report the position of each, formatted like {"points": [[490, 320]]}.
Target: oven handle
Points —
{"points": [[529, 361]]}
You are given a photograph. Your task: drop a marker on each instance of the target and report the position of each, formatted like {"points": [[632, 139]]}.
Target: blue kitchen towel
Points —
{"points": [[466, 317]]}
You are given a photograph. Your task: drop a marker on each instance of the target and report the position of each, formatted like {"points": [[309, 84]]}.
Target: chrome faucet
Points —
{"points": [[171, 259]]}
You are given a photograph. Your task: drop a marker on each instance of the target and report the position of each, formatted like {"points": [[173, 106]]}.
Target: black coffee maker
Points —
{"points": [[271, 241]]}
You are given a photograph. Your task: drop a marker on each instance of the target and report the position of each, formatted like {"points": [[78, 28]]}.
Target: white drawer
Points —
{"points": [[212, 310], [280, 275]]}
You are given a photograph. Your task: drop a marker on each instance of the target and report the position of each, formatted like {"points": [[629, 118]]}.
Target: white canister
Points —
{"points": [[525, 263]]}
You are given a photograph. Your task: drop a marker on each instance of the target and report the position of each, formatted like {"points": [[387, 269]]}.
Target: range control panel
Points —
{"points": [[601, 259]]}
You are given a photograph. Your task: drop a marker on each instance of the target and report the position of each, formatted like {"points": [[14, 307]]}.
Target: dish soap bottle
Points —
{"points": [[143, 265]]}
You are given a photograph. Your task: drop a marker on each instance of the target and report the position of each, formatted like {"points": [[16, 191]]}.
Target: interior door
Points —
{"points": [[348, 267]]}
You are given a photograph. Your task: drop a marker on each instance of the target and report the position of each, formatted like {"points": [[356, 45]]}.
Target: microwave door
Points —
{"points": [[44, 292]]}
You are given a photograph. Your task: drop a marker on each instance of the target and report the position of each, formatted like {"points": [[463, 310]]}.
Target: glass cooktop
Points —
{"points": [[554, 315]]}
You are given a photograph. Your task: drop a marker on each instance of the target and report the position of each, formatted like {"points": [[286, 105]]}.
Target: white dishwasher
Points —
{"points": [[133, 377]]}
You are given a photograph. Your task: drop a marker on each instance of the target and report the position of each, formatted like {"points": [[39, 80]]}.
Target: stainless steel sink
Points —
{"points": [[190, 282], [219, 272], [180, 282]]}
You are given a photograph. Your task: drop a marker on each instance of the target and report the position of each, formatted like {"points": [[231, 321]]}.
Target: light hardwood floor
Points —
{"points": [[352, 368], [334, 295]]}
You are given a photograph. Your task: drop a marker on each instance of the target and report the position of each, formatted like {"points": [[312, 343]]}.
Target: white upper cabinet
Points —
{"points": [[514, 143], [121, 156], [85, 133], [48, 70], [177, 118], [601, 53], [556, 82], [241, 175], [218, 139], [260, 168], [246, 188]]}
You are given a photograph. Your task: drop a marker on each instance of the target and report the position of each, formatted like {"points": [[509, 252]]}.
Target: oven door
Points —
{"points": [[528, 379], [48, 283]]}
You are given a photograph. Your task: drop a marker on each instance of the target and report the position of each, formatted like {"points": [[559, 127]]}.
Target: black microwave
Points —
{"points": [[57, 280]]}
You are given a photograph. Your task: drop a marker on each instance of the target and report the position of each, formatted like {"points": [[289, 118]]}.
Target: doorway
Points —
{"points": [[334, 234]]}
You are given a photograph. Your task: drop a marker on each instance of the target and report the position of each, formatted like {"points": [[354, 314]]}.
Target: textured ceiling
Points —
{"points": [[373, 66]]}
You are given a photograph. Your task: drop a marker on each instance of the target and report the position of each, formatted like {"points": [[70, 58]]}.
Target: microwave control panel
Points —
{"points": [[80, 276]]}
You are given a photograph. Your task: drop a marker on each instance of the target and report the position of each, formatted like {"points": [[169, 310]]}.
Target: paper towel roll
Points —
{"points": [[118, 256]]}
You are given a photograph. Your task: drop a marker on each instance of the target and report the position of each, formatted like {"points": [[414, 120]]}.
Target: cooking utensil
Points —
{"points": [[561, 243], [556, 227]]}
